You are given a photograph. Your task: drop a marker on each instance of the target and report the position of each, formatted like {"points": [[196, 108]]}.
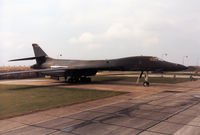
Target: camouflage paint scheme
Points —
{"points": [[84, 68]]}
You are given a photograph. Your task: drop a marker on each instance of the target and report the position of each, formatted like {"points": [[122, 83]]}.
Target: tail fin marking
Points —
{"points": [[38, 51]]}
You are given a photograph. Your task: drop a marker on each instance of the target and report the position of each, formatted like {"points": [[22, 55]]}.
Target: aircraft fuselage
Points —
{"points": [[138, 63]]}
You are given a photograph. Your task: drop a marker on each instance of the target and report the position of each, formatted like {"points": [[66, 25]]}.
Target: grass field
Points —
{"points": [[134, 79], [17, 100]]}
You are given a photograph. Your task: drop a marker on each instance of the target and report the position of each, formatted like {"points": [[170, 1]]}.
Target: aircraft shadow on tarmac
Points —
{"points": [[35, 87], [63, 83], [109, 81]]}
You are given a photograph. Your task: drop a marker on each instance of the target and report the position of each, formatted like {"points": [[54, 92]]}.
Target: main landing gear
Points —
{"points": [[79, 80], [146, 78]]}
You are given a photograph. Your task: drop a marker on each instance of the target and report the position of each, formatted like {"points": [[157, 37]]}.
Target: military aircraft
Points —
{"points": [[76, 71]]}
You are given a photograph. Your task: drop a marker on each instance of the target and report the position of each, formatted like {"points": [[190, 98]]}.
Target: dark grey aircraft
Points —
{"points": [[79, 70]]}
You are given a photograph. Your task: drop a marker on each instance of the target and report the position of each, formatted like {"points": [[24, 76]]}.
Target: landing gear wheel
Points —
{"points": [[73, 80], [88, 80], [146, 84], [65, 79], [85, 80], [70, 80]]}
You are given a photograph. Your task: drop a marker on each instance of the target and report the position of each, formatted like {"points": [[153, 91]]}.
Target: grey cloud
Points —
{"points": [[104, 29]]}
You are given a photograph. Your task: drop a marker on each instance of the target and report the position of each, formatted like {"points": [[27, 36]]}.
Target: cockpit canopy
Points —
{"points": [[155, 59]]}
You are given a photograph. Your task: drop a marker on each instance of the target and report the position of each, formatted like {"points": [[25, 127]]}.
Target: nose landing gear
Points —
{"points": [[146, 79], [146, 84]]}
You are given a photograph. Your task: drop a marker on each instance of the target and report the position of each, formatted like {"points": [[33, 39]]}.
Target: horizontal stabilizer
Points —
{"points": [[29, 58]]}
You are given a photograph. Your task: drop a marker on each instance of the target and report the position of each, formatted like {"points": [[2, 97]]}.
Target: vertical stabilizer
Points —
{"points": [[38, 51], [40, 55]]}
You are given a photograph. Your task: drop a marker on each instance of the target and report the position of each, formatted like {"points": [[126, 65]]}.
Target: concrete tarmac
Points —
{"points": [[157, 110]]}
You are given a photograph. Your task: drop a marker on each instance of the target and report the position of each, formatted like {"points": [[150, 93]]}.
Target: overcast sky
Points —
{"points": [[100, 29]]}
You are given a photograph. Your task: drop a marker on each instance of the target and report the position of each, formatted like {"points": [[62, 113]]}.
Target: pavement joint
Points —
{"points": [[171, 116]]}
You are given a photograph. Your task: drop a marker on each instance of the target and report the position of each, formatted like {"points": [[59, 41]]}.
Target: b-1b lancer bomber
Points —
{"points": [[75, 71]]}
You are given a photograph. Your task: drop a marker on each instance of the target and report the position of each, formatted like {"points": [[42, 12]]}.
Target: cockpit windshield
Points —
{"points": [[155, 59]]}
